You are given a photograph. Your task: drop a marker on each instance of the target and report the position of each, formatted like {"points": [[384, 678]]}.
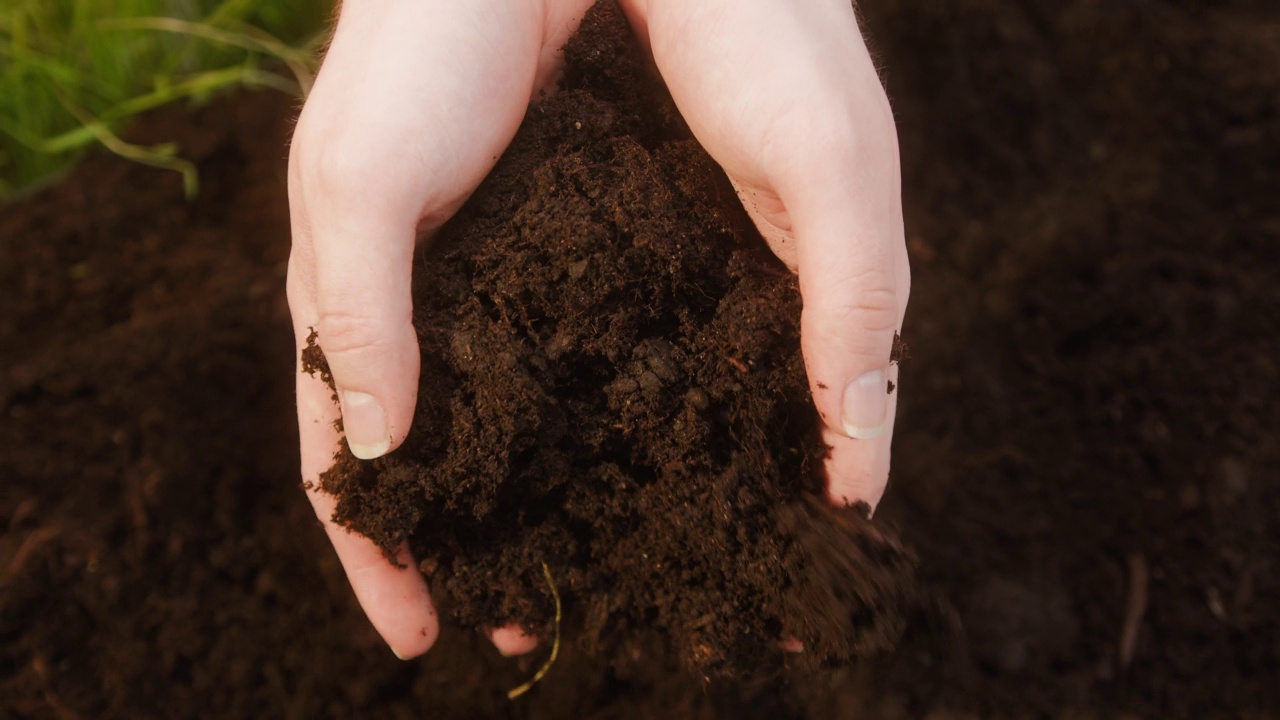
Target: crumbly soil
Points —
{"points": [[1087, 437], [612, 388]]}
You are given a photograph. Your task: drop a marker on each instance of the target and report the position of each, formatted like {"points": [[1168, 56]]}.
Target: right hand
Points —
{"points": [[784, 95], [413, 106]]}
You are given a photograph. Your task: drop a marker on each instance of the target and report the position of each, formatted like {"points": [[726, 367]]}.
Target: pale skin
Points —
{"points": [[417, 99]]}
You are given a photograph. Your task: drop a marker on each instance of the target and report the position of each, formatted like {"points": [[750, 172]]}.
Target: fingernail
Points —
{"points": [[398, 655], [365, 424], [865, 404]]}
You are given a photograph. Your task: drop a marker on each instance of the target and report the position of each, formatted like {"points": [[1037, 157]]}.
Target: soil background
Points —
{"points": [[1087, 432]]}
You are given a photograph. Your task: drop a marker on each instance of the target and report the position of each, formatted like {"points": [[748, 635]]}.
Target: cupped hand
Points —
{"points": [[413, 106], [784, 96]]}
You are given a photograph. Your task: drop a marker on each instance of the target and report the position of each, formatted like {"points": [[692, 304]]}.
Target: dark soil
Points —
{"points": [[1087, 417], [612, 387]]}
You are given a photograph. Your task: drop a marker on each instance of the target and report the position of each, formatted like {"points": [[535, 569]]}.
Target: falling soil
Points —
{"points": [[1086, 456], [612, 386]]}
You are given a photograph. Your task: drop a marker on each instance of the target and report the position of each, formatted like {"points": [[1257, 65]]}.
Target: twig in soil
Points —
{"points": [[1139, 578], [555, 643]]}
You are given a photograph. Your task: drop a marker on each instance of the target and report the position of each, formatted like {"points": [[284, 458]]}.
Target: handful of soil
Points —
{"points": [[612, 385]]}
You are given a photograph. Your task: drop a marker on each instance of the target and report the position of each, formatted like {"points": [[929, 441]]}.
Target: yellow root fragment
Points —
{"points": [[555, 644]]}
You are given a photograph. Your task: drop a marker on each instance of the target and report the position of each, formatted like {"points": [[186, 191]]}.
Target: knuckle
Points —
{"points": [[338, 153], [345, 333], [340, 168], [870, 305]]}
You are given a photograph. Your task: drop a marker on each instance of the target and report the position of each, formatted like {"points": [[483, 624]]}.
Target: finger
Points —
{"points": [[512, 641], [859, 435], [858, 470], [853, 307], [395, 598], [364, 321], [855, 282]]}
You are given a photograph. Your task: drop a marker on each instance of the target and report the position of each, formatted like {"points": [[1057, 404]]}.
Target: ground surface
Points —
{"points": [[1087, 430]]}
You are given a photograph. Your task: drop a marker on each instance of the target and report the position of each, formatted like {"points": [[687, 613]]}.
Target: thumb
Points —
{"points": [[854, 281], [363, 275], [851, 315]]}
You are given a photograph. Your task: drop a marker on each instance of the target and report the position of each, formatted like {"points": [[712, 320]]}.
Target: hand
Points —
{"points": [[784, 96], [414, 104]]}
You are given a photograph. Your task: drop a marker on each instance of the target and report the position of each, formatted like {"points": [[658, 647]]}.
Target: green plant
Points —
{"points": [[72, 72]]}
